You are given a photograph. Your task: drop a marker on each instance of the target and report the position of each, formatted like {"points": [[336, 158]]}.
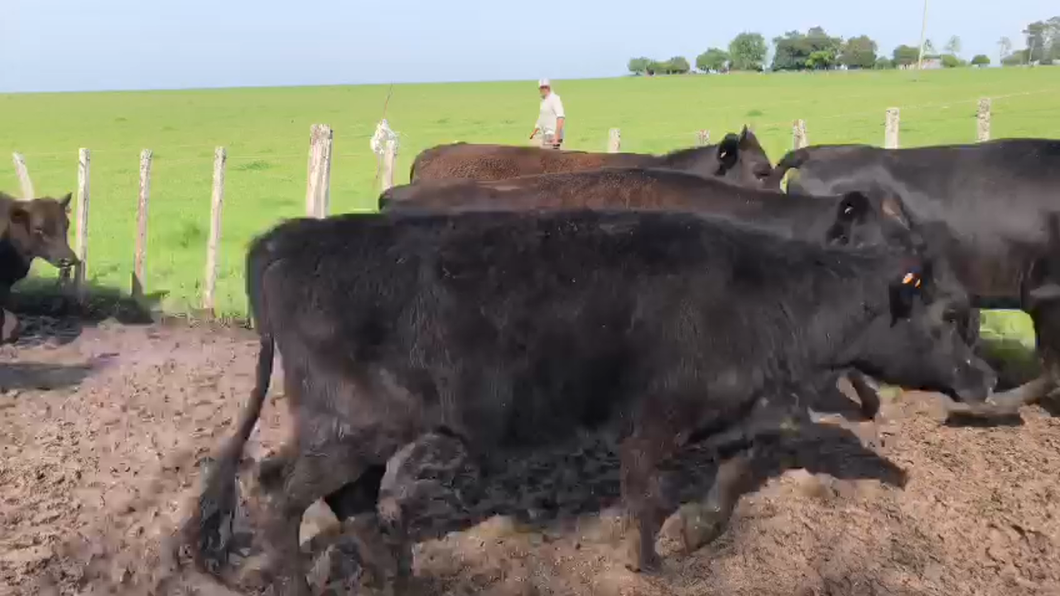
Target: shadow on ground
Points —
{"points": [[49, 312], [42, 376], [555, 491]]}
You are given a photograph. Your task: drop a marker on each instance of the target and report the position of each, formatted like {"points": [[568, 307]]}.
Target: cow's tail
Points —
{"points": [[208, 531], [793, 160]]}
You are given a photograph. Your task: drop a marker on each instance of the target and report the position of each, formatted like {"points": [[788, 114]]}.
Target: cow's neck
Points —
{"points": [[835, 315]]}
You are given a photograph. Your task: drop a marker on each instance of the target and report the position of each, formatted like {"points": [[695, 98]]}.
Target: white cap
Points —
{"points": [[544, 83]]}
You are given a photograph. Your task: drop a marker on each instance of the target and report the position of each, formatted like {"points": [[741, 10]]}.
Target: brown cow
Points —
{"points": [[30, 229], [738, 158]]}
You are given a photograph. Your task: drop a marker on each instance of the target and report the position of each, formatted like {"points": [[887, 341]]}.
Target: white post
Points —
{"points": [[983, 120], [213, 244], [798, 134], [84, 163], [24, 181], [890, 133], [139, 261], [318, 185]]}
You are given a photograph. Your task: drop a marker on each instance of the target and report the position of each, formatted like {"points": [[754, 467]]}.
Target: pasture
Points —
{"points": [[107, 426]]}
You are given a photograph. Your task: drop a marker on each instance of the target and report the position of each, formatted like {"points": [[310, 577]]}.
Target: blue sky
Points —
{"points": [[59, 45]]}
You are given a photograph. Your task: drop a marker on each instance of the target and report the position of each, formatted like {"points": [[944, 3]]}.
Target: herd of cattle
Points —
{"points": [[511, 297]]}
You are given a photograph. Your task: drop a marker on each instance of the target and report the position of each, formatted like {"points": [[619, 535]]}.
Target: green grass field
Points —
{"points": [[266, 133]]}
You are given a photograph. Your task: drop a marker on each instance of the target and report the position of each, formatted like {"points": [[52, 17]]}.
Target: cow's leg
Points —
{"points": [[641, 455], [1046, 318], [704, 521], [357, 497], [310, 473], [438, 451], [832, 400]]}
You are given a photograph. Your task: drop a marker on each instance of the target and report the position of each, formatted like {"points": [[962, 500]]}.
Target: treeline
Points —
{"points": [[816, 50]]}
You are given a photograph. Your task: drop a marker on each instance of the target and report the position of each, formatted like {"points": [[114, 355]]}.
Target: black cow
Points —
{"points": [[509, 330], [30, 229], [995, 198], [849, 219]]}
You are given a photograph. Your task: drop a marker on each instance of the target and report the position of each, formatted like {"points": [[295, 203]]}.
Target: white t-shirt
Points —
{"points": [[551, 110]]}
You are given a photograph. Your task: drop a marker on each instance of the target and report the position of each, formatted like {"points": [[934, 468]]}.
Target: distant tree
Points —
{"points": [[820, 60], [905, 55], [1043, 40], [981, 60], [1016, 58], [953, 46], [1053, 29], [793, 50], [638, 65], [747, 51], [884, 63], [712, 59], [858, 52], [1037, 34], [677, 65], [951, 61], [1004, 49]]}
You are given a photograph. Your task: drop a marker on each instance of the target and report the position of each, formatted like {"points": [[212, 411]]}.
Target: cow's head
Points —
{"points": [[38, 228], [913, 338], [742, 160], [738, 159]]}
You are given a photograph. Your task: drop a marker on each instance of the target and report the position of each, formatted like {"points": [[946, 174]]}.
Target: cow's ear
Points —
{"points": [[904, 292], [728, 151], [892, 207], [853, 206], [65, 201], [850, 209], [19, 216]]}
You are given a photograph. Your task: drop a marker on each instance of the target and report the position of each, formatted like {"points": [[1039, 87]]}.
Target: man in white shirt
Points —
{"points": [[551, 120]]}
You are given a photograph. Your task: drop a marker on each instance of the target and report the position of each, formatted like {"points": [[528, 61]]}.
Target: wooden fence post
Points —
{"points": [[84, 162], [798, 134], [217, 199], [890, 132], [388, 165], [702, 138], [139, 264], [614, 141], [983, 120], [318, 187], [24, 181]]}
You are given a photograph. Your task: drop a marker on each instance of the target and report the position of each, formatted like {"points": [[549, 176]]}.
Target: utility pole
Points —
{"points": [[923, 30]]}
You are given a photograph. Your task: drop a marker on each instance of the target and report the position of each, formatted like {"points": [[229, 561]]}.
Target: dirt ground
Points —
{"points": [[103, 428]]}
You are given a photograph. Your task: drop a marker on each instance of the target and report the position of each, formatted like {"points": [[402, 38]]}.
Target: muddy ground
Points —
{"points": [[103, 428]]}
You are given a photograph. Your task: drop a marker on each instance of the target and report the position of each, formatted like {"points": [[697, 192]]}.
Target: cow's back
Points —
{"points": [[499, 162]]}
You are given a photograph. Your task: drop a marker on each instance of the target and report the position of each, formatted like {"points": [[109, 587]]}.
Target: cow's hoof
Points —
{"points": [[701, 524], [640, 557]]}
